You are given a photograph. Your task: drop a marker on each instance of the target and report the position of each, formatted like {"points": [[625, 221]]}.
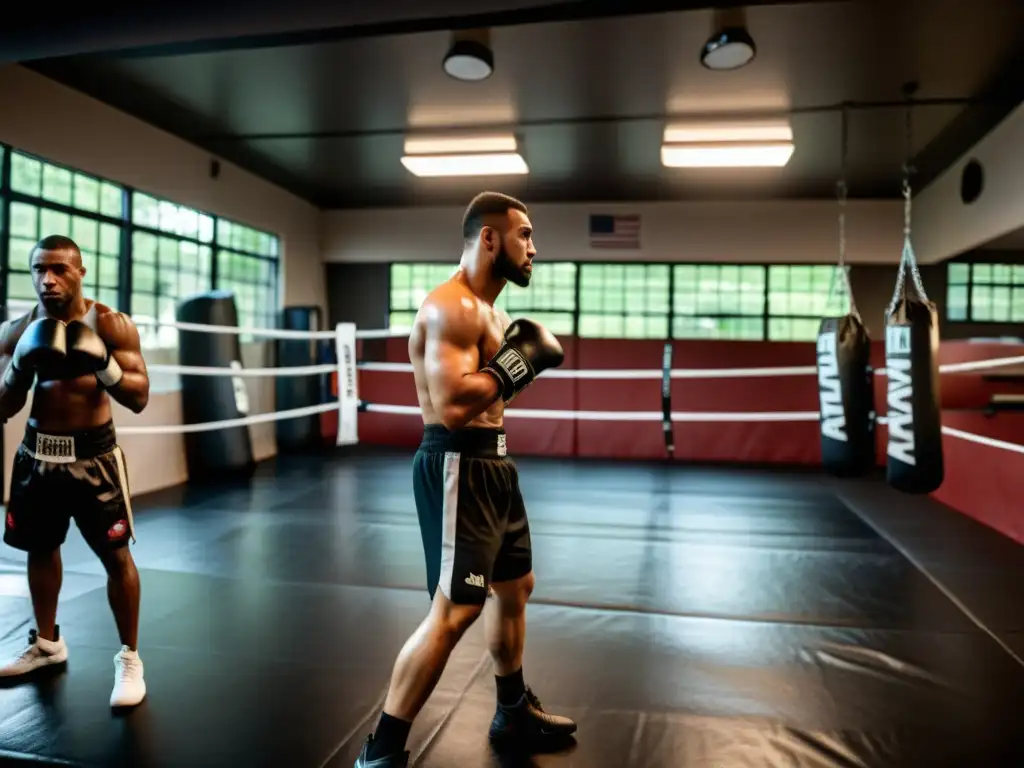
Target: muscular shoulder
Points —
{"points": [[115, 328], [11, 330], [452, 313]]}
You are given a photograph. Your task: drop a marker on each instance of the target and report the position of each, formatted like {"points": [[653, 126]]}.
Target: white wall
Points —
{"points": [[62, 125], [946, 226], [758, 232]]}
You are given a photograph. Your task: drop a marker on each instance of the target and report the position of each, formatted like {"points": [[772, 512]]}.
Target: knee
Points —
{"points": [[119, 563], [514, 595], [453, 620]]}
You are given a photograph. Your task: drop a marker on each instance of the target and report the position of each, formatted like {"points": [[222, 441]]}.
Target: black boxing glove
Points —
{"points": [[88, 354], [528, 350], [41, 346]]}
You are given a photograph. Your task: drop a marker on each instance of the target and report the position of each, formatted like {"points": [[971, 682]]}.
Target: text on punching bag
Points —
{"points": [[900, 393], [830, 392]]}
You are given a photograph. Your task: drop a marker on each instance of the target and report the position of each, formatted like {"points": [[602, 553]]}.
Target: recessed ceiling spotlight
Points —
{"points": [[730, 45], [469, 57]]}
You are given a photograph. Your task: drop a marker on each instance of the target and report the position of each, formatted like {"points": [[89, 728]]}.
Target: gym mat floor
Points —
{"points": [[685, 616]]}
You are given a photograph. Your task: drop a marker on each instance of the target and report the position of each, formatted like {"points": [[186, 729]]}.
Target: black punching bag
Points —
{"points": [[915, 462], [297, 391], [212, 454], [846, 396]]}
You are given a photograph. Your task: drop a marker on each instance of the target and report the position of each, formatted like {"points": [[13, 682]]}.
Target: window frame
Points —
{"points": [[970, 262], [127, 227], [765, 316]]}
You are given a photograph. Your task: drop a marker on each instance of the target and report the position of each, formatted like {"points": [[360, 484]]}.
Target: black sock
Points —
{"points": [[511, 688], [390, 736]]}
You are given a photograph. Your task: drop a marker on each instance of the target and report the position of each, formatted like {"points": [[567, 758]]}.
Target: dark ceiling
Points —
{"points": [[588, 94]]}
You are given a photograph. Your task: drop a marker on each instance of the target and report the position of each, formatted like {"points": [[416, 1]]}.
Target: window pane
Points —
{"points": [[956, 302], [56, 184], [26, 174], [624, 300], [958, 274]]}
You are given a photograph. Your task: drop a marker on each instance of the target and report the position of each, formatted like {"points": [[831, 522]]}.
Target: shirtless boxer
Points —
{"points": [[78, 353], [468, 363]]}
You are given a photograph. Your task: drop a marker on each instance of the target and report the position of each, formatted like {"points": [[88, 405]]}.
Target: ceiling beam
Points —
{"points": [[159, 28]]}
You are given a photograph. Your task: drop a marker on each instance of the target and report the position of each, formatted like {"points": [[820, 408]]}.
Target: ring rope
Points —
{"points": [[537, 413], [206, 370], [270, 333]]}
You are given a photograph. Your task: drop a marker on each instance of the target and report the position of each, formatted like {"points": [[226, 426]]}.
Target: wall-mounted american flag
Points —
{"points": [[610, 231]]}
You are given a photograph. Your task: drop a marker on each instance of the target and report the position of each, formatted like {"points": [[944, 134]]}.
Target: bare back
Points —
{"points": [[66, 404], [453, 335]]}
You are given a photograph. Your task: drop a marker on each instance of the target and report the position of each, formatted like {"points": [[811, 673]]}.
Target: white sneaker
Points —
{"points": [[40, 653], [129, 687]]}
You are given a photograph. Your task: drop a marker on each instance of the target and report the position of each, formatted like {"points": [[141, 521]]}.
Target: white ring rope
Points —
{"points": [[269, 333], [514, 413], [558, 373]]}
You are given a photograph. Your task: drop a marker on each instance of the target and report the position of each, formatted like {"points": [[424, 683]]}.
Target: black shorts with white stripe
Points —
{"points": [[471, 512], [58, 476]]}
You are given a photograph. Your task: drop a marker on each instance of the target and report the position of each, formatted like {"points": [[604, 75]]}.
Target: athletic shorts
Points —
{"points": [[57, 477], [472, 515]]}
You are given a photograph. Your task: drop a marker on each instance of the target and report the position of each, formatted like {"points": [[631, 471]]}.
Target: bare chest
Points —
{"points": [[494, 334]]}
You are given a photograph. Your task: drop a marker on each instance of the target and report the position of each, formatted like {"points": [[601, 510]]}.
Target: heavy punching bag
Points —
{"points": [[846, 396], [212, 454], [915, 461], [297, 391]]}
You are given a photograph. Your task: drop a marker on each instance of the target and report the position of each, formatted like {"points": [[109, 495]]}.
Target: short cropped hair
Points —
{"points": [[56, 243], [487, 204]]}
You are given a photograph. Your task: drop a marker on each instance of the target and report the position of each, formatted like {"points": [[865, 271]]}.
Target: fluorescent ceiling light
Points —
{"points": [[468, 156], [750, 130], [484, 164], [729, 154], [451, 145]]}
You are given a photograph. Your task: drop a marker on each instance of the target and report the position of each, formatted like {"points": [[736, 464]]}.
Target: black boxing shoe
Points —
{"points": [[526, 721], [398, 760]]}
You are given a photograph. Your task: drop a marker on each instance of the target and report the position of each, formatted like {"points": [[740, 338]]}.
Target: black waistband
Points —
{"points": [[84, 444], [486, 442]]}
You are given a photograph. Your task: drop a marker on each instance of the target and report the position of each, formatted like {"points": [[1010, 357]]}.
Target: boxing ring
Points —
{"points": [[685, 614]]}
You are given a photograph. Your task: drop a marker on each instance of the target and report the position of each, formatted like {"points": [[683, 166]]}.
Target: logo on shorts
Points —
{"points": [[117, 530], [10, 520], [502, 445], [475, 581]]}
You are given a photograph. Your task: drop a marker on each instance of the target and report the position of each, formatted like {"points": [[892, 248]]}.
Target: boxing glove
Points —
{"points": [[42, 347], [527, 351], [88, 354]]}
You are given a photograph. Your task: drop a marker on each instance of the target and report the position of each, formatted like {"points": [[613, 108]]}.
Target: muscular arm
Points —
{"points": [[458, 391], [122, 338], [11, 400]]}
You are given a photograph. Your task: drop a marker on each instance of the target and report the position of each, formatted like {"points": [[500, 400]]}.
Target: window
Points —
{"points": [[172, 259], [47, 199], [985, 293], [247, 266], [799, 296], [718, 301], [410, 284], [625, 301], [550, 298]]}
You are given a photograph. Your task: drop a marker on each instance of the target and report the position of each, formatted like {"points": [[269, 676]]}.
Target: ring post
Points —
{"points": [[348, 384]]}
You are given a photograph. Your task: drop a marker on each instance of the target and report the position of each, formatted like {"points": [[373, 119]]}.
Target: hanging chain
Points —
{"points": [[908, 261], [843, 271]]}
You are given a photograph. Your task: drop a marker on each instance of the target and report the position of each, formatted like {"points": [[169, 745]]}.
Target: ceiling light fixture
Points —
{"points": [[468, 156], [469, 56], [730, 45], [745, 144]]}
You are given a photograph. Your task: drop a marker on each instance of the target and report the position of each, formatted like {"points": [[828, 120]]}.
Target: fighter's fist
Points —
{"points": [[528, 350], [42, 347], [88, 354]]}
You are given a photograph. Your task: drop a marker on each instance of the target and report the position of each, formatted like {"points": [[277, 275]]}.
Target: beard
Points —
{"points": [[507, 270]]}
